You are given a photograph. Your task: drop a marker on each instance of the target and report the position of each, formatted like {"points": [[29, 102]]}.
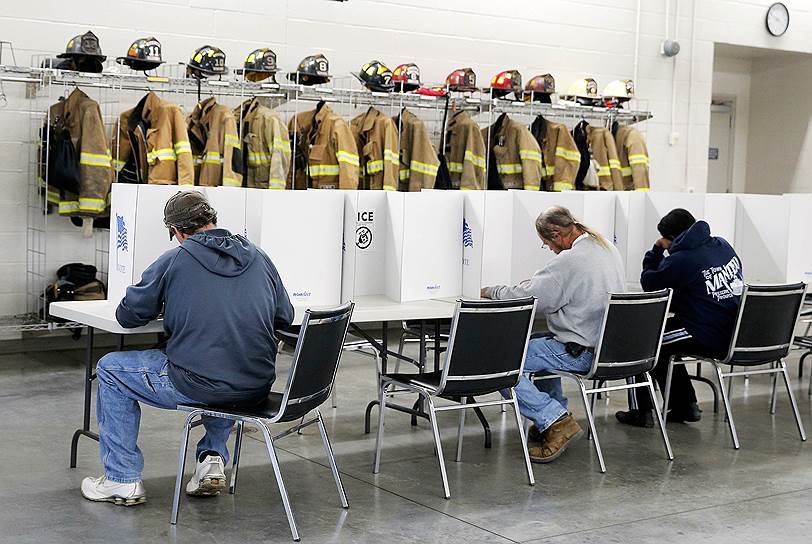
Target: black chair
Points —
{"points": [[628, 345], [486, 350], [311, 379], [763, 335]]}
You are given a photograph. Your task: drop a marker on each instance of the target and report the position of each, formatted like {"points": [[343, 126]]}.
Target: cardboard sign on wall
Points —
{"points": [[487, 235], [138, 235], [595, 209], [302, 233]]}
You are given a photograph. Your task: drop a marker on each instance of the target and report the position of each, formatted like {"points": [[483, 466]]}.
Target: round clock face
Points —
{"points": [[777, 19]]}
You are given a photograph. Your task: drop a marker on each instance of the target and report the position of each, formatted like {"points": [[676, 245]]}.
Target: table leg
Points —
{"points": [[89, 377], [436, 345], [418, 405], [384, 358]]}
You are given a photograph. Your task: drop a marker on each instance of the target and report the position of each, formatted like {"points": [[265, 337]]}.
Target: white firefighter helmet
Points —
{"points": [[622, 89]]}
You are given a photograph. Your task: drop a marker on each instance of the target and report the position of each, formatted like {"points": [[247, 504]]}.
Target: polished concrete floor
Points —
{"points": [[709, 493]]}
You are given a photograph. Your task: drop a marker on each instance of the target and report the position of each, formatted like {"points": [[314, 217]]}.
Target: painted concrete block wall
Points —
{"points": [[569, 38]]}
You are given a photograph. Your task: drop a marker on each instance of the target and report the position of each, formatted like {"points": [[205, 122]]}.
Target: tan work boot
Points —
{"points": [[555, 440]]}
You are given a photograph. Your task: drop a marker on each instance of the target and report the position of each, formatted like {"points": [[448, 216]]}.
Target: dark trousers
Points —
{"points": [[682, 390]]}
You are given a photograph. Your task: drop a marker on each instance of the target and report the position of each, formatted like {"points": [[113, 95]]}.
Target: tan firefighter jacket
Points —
{"points": [[418, 157], [151, 144], [326, 156], [465, 152], [602, 147], [633, 154], [516, 154], [559, 154], [216, 147], [266, 147], [81, 117], [377, 139]]}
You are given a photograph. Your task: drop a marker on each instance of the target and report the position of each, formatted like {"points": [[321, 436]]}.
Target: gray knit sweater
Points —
{"points": [[573, 290]]}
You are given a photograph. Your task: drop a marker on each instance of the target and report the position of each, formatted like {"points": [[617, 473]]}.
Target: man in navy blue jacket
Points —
{"points": [[222, 299], [706, 276]]}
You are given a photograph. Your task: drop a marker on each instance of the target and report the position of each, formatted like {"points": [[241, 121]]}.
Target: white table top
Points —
{"points": [[101, 314]]}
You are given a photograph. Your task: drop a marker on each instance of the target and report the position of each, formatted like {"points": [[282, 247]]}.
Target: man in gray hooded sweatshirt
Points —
{"points": [[222, 300]]}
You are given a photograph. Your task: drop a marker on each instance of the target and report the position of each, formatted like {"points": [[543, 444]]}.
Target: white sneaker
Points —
{"points": [[209, 477], [103, 490]]}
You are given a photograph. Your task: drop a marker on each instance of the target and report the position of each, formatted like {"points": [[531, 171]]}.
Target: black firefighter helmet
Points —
{"points": [[260, 65], [313, 70], [144, 54], [207, 61], [376, 77], [83, 54]]}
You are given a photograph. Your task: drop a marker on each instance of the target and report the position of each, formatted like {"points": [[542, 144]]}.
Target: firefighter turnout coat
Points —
{"points": [[633, 155], [151, 144], [81, 116], [602, 145], [216, 148], [377, 139], [560, 157], [465, 152], [418, 157], [516, 154], [266, 147], [325, 153]]}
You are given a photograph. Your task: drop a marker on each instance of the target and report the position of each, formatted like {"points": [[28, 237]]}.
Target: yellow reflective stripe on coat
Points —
{"points": [[324, 170], [118, 165], [424, 168], [349, 158], [391, 156], [562, 186], [95, 159], [604, 171], [373, 167], [276, 184], [281, 145], [68, 206], [405, 174], [231, 182], [258, 158], [389, 188], [530, 155], [455, 167], [233, 141], [638, 159], [165, 154], [614, 163], [213, 157], [642, 189], [92, 204], [548, 171], [626, 171], [509, 168], [53, 196], [183, 146], [573, 156], [475, 159]]}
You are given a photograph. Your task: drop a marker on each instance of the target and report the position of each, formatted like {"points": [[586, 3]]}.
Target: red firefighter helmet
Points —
{"points": [[406, 77], [463, 80], [504, 83]]}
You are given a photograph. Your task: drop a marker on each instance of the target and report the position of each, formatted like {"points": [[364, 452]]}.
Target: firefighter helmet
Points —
{"points": [[144, 54], [313, 70], [207, 61], [463, 79], [584, 91], [376, 77], [540, 88], [260, 65], [84, 45], [618, 92], [406, 77], [504, 83]]}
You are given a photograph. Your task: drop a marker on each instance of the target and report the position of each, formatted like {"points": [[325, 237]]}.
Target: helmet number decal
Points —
{"points": [[321, 66]]}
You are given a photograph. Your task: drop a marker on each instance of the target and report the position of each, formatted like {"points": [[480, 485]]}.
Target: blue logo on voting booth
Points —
{"points": [[467, 236], [121, 241]]}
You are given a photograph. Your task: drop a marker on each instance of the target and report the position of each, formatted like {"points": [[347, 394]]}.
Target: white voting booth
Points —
{"points": [[406, 246], [638, 213], [772, 237], [137, 232], [301, 231], [596, 209], [486, 240]]}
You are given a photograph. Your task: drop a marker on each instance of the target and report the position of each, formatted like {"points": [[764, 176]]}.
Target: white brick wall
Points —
{"points": [[570, 38]]}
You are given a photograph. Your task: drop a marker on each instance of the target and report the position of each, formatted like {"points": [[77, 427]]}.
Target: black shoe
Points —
{"points": [[690, 414], [637, 418]]}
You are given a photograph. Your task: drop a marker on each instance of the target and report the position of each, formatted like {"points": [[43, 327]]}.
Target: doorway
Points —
{"points": [[721, 146]]}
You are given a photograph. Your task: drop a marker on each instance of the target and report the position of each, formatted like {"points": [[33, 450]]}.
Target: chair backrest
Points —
{"points": [[487, 345], [315, 360], [765, 325], [631, 334]]}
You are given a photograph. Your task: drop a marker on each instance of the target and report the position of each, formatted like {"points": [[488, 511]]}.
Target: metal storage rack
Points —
{"points": [[117, 92]]}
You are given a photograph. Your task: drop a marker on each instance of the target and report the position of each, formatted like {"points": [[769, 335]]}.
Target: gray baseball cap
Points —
{"points": [[187, 210]]}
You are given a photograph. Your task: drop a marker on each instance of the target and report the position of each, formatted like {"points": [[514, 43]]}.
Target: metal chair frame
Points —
{"points": [[588, 394], [263, 425], [776, 367], [428, 392]]}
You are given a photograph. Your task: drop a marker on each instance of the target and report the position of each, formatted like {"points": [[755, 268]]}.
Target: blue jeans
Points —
{"points": [[544, 402], [125, 379]]}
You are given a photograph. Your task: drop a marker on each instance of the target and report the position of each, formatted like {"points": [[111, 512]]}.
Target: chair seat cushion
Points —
{"points": [[267, 409], [455, 388], [429, 380]]}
